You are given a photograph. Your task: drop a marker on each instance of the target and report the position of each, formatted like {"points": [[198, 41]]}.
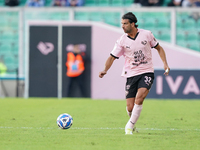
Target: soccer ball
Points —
{"points": [[64, 121]]}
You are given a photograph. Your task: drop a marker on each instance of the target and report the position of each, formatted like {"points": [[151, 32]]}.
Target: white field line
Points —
{"points": [[80, 128]]}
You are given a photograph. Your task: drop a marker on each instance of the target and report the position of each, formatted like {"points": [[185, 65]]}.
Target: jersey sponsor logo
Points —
{"points": [[139, 58]]}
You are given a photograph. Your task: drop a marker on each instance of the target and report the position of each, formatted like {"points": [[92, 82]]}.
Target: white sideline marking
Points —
{"points": [[79, 128]]}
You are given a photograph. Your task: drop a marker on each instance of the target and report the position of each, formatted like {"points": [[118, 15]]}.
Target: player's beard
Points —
{"points": [[127, 30]]}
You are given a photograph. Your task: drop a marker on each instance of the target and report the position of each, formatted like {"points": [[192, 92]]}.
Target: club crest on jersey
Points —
{"points": [[144, 42], [128, 47]]}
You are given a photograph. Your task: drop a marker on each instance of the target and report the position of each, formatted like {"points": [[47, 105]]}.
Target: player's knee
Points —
{"points": [[130, 107]]}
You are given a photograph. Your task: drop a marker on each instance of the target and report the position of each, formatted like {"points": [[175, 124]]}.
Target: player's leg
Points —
{"points": [[129, 105], [131, 90], [144, 86], [141, 94]]}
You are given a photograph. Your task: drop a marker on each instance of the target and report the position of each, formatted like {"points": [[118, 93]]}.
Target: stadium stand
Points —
{"points": [[104, 3], [92, 3], [187, 27], [9, 38], [22, 2]]}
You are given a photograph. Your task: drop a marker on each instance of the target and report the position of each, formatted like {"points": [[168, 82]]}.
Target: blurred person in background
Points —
{"points": [[185, 3], [148, 3], [65, 3], [35, 3], [61, 3], [11, 3], [75, 2], [75, 67], [3, 68], [191, 3], [175, 3]]}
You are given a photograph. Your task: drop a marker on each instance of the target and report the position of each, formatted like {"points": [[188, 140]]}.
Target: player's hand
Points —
{"points": [[102, 73], [167, 71]]}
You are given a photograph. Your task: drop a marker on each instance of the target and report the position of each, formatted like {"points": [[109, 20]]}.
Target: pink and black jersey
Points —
{"points": [[136, 51]]}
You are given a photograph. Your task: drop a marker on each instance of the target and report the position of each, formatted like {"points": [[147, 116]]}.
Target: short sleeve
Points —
{"points": [[152, 40], [117, 50]]}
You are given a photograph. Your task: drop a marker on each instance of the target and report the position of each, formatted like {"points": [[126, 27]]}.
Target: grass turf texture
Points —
{"points": [[30, 124]]}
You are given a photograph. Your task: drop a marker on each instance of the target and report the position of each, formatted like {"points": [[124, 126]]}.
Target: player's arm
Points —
{"points": [[108, 64], [161, 52]]}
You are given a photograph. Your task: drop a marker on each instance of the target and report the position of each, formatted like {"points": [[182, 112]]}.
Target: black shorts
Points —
{"points": [[140, 81]]}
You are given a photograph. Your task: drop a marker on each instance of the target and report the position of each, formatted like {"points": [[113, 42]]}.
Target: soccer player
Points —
{"points": [[135, 45]]}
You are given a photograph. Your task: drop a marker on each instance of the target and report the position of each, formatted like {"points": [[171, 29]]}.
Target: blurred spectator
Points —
{"points": [[191, 3], [3, 68], [75, 67], [149, 2], [75, 2], [59, 2], [175, 3], [68, 3], [11, 2], [35, 3], [185, 3]]}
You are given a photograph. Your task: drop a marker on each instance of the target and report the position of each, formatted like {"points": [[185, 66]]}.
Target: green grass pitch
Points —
{"points": [[30, 124]]}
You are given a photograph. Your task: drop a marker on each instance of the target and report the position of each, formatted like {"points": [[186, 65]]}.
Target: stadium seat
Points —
{"points": [[195, 46], [90, 2], [4, 49], [48, 2], [179, 23], [189, 23], [104, 3], [191, 35], [198, 25], [165, 2], [2, 3], [149, 23], [164, 35], [112, 18], [163, 22], [185, 21], [6, 35], [117, 3], [128, 2], [95, 16], [85, 16], [182, 43], [22, 2], [149, 19], [180, 37]]}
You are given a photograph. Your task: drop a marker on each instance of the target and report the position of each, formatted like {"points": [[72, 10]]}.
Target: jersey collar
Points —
{"points": [[134, 37]]}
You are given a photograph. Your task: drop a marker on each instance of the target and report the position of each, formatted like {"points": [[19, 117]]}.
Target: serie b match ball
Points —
{"points": [[64, 121]]}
